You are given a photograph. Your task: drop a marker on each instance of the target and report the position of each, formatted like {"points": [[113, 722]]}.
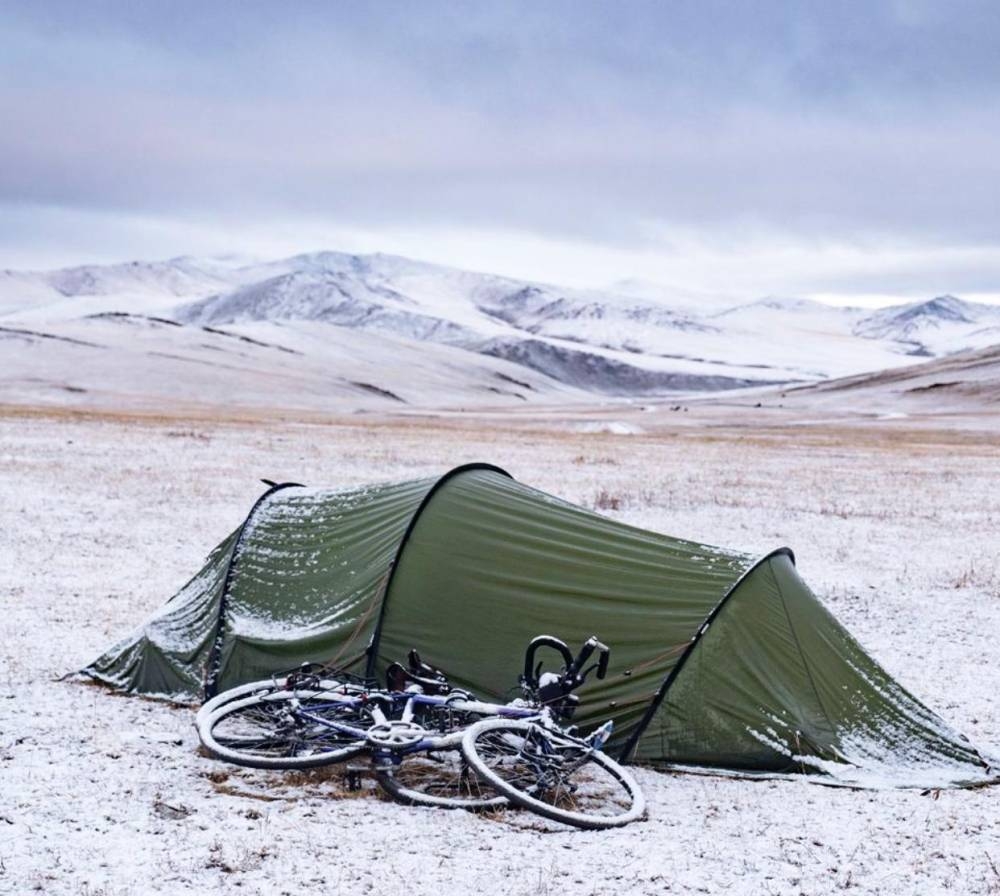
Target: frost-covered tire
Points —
{"points": [[553, 775], [264, 686], [284, 730], [442, 779], [243, 690]]}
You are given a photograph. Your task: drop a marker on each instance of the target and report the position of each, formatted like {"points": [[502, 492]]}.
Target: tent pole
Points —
{"points": [[394, 565], [214, 665], [661, 694]]}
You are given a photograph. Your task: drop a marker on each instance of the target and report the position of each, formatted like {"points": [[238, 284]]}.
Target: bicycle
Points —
{"points": [[543, 766], [459, 751]]}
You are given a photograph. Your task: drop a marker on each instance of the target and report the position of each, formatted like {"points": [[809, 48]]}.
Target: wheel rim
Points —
{"points": [[439, 779], [562, 775], [286, 728]]}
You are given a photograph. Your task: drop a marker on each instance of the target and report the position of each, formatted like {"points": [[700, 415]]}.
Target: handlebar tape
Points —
{"points": [[544, 641]]}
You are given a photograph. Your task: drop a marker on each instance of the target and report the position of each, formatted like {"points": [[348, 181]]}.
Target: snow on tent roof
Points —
{"points": [[718, 661]]}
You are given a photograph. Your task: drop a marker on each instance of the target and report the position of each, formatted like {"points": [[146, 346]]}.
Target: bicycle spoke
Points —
{"points": [[288, 729], [440, 779], [553, 774]]}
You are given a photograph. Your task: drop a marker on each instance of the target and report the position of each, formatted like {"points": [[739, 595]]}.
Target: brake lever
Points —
{"points": [[603, 660]]}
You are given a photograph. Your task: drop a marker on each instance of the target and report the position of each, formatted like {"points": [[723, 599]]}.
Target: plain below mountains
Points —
{"points": [[335, 330]]}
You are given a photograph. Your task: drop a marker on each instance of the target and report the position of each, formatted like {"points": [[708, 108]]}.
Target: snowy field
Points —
{"points": [[102, 519]]}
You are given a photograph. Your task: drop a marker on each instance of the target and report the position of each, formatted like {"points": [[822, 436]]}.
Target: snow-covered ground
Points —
{"points": [[102, 518]]}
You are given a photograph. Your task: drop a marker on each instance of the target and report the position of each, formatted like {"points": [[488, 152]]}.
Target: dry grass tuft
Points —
{"points": [[980, 577], [605, 500], [622, 499]]}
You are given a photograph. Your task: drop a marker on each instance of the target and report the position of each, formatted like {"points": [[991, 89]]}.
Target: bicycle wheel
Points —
{"points": [[285, 729], [553, 774], [442, 779], [261, 688], [264, 686]]}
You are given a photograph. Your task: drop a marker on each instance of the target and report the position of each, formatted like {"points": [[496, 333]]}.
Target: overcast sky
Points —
{"points": [[847, 151]]}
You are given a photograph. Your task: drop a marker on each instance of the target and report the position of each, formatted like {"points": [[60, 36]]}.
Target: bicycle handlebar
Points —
{"points": [[530, 671], [573, 673]]}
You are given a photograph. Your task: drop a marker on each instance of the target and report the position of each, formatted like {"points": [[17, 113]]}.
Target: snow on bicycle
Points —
{"points": [[434, 745]]}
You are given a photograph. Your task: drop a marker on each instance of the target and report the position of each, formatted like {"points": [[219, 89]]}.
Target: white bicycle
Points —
{"points": [[431, 744]]}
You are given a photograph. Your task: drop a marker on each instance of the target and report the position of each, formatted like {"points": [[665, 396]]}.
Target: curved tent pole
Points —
{"points": [[394, 565], [214, 665], [661, 694]]}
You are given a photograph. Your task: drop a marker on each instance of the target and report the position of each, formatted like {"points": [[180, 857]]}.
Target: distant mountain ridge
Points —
{"points": [[964, 382], [629, 343], [909, 322]]}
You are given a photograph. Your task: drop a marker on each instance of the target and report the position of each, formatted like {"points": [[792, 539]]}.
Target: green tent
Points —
{"points": [[718, 660]]}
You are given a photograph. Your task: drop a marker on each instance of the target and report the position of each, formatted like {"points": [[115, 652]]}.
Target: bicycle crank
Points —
{"points": [[395, 734]]}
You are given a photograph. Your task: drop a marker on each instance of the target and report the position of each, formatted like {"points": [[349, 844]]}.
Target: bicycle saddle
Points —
{"points": [[433, 681]]}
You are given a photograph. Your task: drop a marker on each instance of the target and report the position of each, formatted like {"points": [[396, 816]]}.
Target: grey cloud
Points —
{"points": [[568, 119]]}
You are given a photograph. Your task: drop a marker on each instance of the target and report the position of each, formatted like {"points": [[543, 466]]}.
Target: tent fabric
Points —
{"points": [[304, 580], [491, 564], [718, 661], [777, 684], [168, 654]]}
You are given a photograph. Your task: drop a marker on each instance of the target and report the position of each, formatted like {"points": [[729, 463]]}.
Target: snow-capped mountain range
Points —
{"points": [[625, 341]]}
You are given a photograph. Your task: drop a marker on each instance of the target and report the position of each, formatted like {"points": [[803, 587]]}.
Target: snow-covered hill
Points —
{"points": [[936, 327], [637, 341], [963, 382], [140, 362], [136, 286]]}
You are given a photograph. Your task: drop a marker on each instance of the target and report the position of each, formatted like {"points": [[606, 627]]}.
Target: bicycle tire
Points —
{"points": [[279, 730], [442, 779], [552, 774], [262, 687], [235, 693]]}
